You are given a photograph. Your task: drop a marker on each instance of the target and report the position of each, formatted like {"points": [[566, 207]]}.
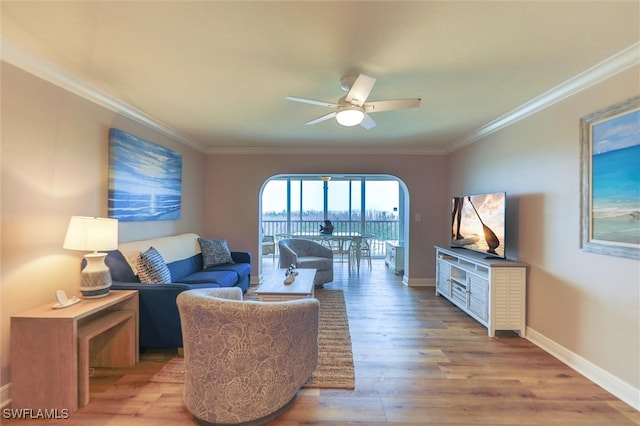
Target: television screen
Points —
{"points": [[478, 223]]}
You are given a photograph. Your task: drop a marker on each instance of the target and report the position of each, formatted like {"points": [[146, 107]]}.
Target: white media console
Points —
{"points": [[491, 290]]}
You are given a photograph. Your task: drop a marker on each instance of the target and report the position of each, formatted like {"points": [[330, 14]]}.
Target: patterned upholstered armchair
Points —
{"points": [[245, 360], [269, 245], [307, 254]]}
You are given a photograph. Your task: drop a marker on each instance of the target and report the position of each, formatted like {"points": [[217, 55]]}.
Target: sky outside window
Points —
{"points": [[381, 196]]}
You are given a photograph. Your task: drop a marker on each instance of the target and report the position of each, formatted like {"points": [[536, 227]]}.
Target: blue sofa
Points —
{"points": [[159, 317]]}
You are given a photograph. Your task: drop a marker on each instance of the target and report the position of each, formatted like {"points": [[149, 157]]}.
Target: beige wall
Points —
{"points": [[55, 156], [234, 183], [588, 303], [54, 165]]}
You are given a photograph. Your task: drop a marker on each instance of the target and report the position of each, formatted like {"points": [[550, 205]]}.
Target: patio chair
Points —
{"points": [[307, 254], [269, 246]]}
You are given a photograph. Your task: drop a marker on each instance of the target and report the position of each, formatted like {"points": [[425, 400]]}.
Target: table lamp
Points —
{"points": [[93, 234]]}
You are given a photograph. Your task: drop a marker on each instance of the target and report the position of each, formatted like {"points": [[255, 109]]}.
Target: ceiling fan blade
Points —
{"points": [[322, 118], [391, 104], [368, 122], [360, 90], [312, 102]]}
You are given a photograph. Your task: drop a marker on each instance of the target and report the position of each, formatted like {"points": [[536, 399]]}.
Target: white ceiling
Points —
{"points": [[217, 73]]}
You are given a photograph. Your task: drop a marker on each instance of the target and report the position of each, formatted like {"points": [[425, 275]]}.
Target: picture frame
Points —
{"points": [[610, 180], [145, 179]]}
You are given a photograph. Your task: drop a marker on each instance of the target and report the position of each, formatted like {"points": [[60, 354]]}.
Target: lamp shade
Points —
{"points": [[91, 234]]}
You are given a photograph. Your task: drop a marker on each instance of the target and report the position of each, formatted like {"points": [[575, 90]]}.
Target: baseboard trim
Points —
{"points": [[418, 282], [602, 378]]}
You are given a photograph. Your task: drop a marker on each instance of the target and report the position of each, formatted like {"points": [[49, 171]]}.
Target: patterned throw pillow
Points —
{"points": [[152, 268], [214, 252]]}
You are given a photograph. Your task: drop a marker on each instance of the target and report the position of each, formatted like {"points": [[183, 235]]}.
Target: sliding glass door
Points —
{"points": [[370, 205]]}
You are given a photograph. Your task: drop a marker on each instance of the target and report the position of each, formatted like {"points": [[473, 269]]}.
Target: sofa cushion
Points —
{"points": [[152, 268], [242, 270], [159, 319], [184, 267], [171, 248], [223, 278], [119, 267], [214, 252]]}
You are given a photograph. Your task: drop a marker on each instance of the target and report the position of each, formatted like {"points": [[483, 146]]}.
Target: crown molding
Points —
{"points": [[334, 150], [19, 57], [609, 67]]}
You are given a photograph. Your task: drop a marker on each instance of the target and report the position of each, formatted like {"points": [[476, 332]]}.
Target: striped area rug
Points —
{"points": [[335, 361]]}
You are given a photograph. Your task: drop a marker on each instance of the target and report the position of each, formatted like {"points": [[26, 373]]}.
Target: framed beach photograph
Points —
{"points": [[610, 180], [145, 179]]}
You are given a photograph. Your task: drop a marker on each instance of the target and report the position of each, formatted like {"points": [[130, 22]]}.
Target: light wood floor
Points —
{"points": [[418, 360]]}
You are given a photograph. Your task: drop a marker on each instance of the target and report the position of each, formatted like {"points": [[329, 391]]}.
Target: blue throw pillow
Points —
{"points": [[214, 252], [152, 268]]}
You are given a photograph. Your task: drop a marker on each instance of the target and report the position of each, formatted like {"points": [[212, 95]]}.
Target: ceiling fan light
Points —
{"points": [[350, 116]]}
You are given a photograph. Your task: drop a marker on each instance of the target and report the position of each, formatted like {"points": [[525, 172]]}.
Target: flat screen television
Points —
{"points": [[478, 223]]}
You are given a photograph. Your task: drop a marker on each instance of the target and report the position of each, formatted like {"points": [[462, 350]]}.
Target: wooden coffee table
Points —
{"points": [[273, 288]]}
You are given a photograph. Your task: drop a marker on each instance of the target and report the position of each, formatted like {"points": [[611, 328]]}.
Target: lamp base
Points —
{"points": [[96, 276]]}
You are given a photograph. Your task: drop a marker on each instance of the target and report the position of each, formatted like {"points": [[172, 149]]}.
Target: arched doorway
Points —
{"points": [[373, 204]]}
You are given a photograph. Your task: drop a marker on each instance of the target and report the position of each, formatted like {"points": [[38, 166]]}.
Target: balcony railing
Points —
{"points": [[382, 230]]}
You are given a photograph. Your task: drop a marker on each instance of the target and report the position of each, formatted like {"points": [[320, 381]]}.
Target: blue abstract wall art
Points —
{"points": [[145, 179]]}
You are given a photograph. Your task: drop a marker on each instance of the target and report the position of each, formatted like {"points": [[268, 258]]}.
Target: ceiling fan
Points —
{"points": [[353, 108]]}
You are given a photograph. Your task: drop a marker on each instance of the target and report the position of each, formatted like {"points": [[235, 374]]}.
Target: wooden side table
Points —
{"points": [[51, 349]]}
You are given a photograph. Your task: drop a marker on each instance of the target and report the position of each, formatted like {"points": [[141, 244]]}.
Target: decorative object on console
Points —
{"points": [[93, 234], [145, 179], [610, 181]]}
